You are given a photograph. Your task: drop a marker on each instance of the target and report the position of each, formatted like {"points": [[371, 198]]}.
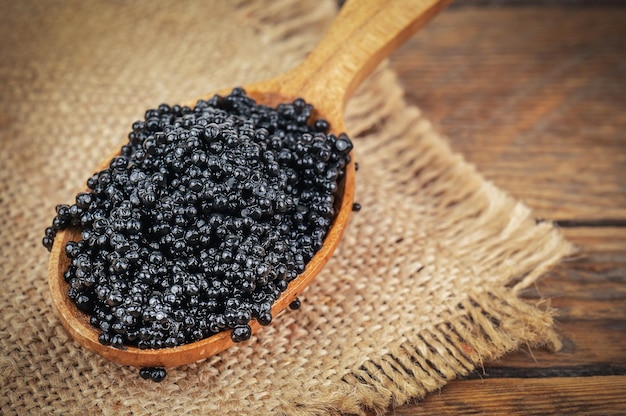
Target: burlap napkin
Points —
{"points": [[422, 289]]}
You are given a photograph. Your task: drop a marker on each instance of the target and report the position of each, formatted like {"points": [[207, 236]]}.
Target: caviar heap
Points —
{"points": [[202, 221]]}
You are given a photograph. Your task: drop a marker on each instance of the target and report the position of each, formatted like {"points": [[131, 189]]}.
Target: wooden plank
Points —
{"points": [[542, 396], [599, 242], [589, 295], [535, 97], [586, 344]]}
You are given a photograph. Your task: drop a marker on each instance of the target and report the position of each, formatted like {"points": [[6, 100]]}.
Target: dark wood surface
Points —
{"points": [[535, 97]]}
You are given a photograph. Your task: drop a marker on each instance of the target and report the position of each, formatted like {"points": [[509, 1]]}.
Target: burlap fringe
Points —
{"points": [[453, 348]]}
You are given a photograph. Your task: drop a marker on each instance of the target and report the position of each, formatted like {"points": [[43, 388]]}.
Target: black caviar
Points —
{"points": [[295, 304], [202, 221], [156, 374]]}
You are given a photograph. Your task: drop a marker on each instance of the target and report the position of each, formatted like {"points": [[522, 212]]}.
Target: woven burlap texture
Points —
{"points": [[422, 289]]}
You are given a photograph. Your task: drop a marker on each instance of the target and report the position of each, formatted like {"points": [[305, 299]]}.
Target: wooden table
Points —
{"points": [[536, 98]]}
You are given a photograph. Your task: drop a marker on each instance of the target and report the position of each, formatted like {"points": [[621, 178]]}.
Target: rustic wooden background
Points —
{"points": [[535, 96]]}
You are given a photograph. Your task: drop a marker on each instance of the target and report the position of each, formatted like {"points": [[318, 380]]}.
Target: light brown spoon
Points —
{"points": [[362, 35]]}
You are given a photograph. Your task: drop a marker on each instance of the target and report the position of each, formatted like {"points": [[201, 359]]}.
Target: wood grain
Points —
{"points": [[536, 98], [515, 396]]}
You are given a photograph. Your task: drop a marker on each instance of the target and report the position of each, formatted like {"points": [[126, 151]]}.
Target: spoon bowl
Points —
{"points": [[364, 33]]}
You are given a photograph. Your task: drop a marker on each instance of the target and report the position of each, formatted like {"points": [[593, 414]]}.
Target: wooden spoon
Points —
{"points": [[362, 35]]}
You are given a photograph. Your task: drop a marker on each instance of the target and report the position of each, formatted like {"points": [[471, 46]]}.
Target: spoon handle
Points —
{"points": [[361, 36]]}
